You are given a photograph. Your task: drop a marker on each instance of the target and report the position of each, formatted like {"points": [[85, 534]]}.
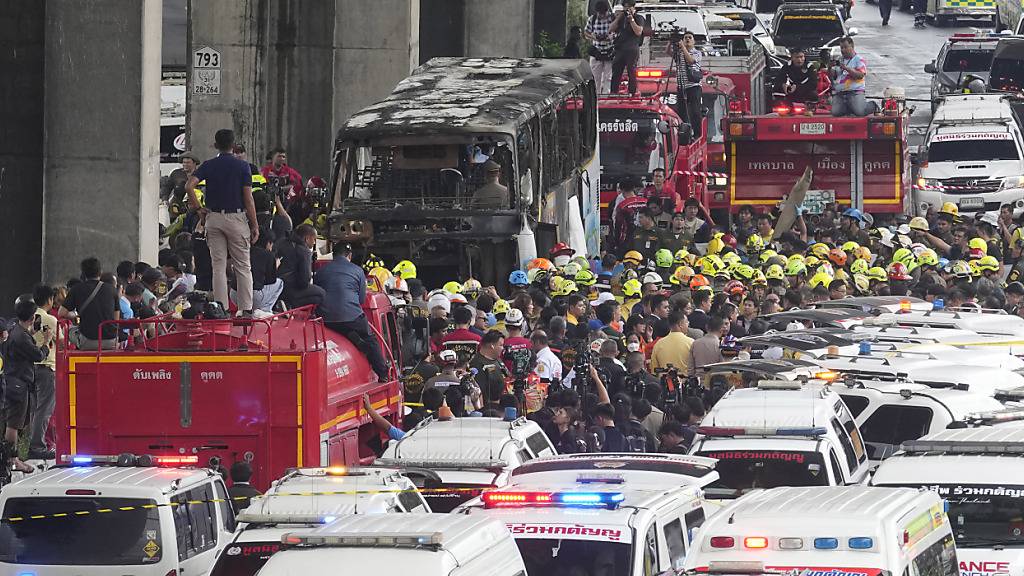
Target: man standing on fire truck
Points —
{"points": [[686, 59]]}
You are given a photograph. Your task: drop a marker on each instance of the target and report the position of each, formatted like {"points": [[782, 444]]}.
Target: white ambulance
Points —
{"points": [[596, 522], [433, 545], [114, 515], [307, 498], [464, 456], [980, 474], [781, 434], [829, 531]]}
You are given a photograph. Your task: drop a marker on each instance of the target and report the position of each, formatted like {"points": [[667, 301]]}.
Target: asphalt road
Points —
{"points": [[896, 56]]}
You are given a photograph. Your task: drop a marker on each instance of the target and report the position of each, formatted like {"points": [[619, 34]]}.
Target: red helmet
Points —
{"points": [[316, 182], [729, 240], [734, 288], [837, 257], [898, 271], [560, 249]]}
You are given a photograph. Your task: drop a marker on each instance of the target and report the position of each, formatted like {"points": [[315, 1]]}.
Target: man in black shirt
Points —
{"points": [[19, 353], [241, 492], [490, 370], [614, 440], [92, 303], [297, 268], [628, 29], [266, 286], [795, 82]]}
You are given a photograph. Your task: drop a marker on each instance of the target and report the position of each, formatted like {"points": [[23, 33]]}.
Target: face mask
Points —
{"points": [[633, 346]]}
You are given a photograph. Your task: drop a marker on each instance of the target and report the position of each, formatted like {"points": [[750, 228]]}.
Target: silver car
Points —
{"points": [[960, 57]]}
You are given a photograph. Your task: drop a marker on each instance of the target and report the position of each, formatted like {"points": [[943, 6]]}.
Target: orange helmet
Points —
{"points": [[698, 281], [837, 256], [542, 263]]}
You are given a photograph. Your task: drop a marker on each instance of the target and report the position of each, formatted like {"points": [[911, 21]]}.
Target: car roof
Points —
{"points": [[810, 339], [958, 455], [634, 468], [460, 439], [157, 479], [809, 405], [862, 503], [779, 367], [300, 492], [959, 403], [875, 303], [807, 7]]}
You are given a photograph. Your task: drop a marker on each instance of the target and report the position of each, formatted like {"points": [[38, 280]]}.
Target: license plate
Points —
{"points": [[972, 202], [812, 128]]}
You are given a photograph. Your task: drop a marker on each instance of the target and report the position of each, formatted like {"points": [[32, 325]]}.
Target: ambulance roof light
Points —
{"points": [[503, 499], [362, 540], [810, 431]]}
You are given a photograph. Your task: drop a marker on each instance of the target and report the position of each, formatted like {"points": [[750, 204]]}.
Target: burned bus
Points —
{"points": [[414, 173]]}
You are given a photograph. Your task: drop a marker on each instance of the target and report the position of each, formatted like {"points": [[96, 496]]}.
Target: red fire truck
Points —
{"points": [[639, 134], [280, 392], [862, 162]]}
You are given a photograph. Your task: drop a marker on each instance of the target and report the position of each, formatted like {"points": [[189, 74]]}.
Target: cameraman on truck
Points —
{"points": [[850, 72], [686, 60], [796, 83]]}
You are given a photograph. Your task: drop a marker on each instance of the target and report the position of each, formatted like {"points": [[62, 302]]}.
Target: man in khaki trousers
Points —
{"points": [[230, 217]]}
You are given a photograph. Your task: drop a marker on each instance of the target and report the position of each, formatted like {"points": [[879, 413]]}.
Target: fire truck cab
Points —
{"points": [[858, 162], [281, 392]]}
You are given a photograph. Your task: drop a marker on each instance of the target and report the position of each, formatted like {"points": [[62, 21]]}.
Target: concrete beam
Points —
{"points": [[102, 122], [499, 28]]}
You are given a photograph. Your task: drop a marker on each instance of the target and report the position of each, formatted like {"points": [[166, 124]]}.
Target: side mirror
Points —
{"points": [[852, 32], [929, 68]]}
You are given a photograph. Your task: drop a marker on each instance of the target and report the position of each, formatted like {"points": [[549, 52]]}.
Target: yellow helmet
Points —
{"points": [[811, 261], [978, 244], [760, 279], [585, 278], [472, 286], [381, 274], [406, 269], [744, 272], [631, 287], [681, 275], [452, 287], [570, 270], [877, 274], [633, 257], [951, 209], [919, 223], [819, 279], [766, 255], [904, 256], [928, 257], [731, 258], [793, 257], [564, 288], [795, 268], [859, 267], [715, 245], [841, 275], [849, 246], [973, 265], [820, 250], [679, 258], [501, 307], [711, 265], [372, 261], [582, 261], [774, 272], [258, 181], [861, 284], [862, 253], [755, 244], [988, 264]]}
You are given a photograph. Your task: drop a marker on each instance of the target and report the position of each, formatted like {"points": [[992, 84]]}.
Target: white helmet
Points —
{"points": [[652, 278], [514, 317]]}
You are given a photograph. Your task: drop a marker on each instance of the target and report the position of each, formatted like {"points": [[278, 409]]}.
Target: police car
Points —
{"points": [[980, 474], [596, 522], [464, 455], [434, 545], [890, 413], [781, 434], [115, 515], [829, 531], [309, 498]]}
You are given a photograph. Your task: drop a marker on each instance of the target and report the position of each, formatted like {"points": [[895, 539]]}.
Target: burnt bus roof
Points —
{"points": [[467, 95]]}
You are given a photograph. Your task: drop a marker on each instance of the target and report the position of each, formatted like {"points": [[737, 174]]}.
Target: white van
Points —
{"points": [[974, 143], [890, 413], [979, 472], [465, 455], [602, 522], [121, 518], [830, 530], [433, 545], [289, 505], [781, 434]]}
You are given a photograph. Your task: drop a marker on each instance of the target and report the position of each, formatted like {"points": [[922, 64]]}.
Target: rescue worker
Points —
{"points": [[492, 194], [796, 83]]}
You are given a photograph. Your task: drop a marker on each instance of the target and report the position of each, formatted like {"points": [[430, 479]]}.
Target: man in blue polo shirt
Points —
{"points": [[230, 217]]}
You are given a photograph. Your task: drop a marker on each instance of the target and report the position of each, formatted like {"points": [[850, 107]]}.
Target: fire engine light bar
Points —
{"points": [[610, 500], [257, 518], [751, 431], [781, 110], [175, 460], [826, 543], [398, 539], [649, 73]]}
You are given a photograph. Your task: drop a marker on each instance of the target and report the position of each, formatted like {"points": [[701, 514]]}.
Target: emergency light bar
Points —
{"points": [[964, 447], [649, 73], [452, 464], [812, 431], [995, 417], [362, 540], [127, 460], [600, 479], [778, 385], [503, 499], [1010, 394], [257, 518], [792, 543]]}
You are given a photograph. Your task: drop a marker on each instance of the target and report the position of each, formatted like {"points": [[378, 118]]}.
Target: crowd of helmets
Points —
{"points": [[939, 257]]}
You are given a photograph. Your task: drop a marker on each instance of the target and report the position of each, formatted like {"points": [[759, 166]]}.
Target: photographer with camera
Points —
{"points": [[628, 30], [850, 72], [686, 60], [277, 171], [20, 353]]}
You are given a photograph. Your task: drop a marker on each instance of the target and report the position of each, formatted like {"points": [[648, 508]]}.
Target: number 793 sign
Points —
{"points": [[206, 58]]}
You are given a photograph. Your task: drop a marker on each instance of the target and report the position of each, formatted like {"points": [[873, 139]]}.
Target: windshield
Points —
{"points": [[630, 142], [810, 30], [971, 150], [574, 557], [749, 19], [244, 558], [126, 537], [982, 516], [967, 61], [1007, 74], [740, 471]]}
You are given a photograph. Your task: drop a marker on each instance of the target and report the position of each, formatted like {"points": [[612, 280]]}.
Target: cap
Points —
{"points": [[990, 218], [448, 357], [602, 298], [492, 166], [190, 155]]}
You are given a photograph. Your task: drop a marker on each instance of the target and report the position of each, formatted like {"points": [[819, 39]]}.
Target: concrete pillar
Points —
{"points": [[22, 41], [499, 28], [102, 122], [442, 28]]}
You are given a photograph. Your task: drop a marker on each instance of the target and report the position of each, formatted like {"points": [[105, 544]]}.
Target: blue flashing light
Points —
{"points": [[610, 499], [82, 460], [329, 519], [945, 506], [861, 543], [826, 543], [813, 431]]}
